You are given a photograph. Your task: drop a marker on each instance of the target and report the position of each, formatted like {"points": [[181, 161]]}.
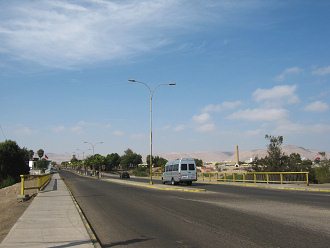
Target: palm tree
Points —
{"points": [[40, 153]]}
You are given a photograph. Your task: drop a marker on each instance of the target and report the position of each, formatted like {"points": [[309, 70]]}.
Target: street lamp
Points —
{"points": [[93, 145], [93, 148], [151, 94]]}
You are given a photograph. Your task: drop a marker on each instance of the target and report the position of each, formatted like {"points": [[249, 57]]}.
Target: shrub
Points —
{"points": [[7, 182], [141, 172], [322, 174]]}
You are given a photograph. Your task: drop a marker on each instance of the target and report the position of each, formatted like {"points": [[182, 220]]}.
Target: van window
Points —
{"points": [[176, 167], [191, 167], [171, 167], [184, 166]]}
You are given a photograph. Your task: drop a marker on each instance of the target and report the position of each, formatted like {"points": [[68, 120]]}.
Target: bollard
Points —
{"points": [[254, 178], [243, 177], [22, 184]]}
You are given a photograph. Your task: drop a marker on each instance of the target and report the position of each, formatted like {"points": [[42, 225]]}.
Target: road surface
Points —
{"points": [[225, 216]]}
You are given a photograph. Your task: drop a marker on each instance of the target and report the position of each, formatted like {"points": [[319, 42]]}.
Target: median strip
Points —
{"points": [[155, 186]]}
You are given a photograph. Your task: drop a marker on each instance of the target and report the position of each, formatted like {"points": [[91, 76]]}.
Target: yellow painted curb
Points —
{"points": [[144, 185]]}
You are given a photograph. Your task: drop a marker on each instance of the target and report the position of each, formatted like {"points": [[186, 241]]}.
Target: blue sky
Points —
{"points": [[243, 69]]}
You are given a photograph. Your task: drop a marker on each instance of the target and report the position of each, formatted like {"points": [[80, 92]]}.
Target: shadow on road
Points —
{"points": [[126, 242]]}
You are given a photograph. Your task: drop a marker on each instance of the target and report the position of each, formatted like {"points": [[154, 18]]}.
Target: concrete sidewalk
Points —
{"points": [[51, 220]]}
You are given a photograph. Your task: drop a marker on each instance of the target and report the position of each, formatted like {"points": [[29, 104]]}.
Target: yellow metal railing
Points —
{"points": [[256, 177], [30, 182]]}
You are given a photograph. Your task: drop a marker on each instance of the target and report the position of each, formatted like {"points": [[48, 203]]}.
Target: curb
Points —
{"points": [[272, 188], [144, 185], [88, 227]]}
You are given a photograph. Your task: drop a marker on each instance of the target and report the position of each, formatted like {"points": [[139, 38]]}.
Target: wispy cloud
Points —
{"points": [[66, 34], [206, 127], [317, 106], [179, 128], [287, 72], [58, 129], [118, 133], [201, 118], [24, 131], [321, 71], [288, 127], [204, 123], [260, 114], [278, 95], [222, 106]]}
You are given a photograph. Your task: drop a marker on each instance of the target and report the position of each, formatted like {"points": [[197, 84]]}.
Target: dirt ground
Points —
{"points": [[10, 208]]}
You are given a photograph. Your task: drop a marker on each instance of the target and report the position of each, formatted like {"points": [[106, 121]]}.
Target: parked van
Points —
{"points": [[180, 170]]}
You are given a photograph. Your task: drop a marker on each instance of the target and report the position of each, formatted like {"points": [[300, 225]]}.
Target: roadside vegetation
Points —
{"points": [[13, 162], [277, 161]]}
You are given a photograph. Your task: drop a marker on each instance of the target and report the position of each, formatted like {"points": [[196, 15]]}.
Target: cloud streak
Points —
{"points": [[278, 95], [66, 34]]}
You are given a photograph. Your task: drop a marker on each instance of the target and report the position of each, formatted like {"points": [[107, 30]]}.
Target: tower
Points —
{"points": [[236, 157]]}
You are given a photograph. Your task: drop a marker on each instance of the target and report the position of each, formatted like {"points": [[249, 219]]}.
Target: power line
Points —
{"points": [[3, 133]]}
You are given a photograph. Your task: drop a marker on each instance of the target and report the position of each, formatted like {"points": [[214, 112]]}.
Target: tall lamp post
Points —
{"points": [[151, 94], [93, 148]]}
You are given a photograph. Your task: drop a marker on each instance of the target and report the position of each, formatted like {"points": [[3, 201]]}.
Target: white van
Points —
{"points": [[180, 170]]}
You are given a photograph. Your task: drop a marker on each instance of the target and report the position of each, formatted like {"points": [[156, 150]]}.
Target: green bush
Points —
{"points": [[141, 172], [322, 174], [7, 182]]}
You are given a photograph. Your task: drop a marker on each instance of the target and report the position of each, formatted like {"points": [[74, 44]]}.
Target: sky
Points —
{"points": [[242, 69]]}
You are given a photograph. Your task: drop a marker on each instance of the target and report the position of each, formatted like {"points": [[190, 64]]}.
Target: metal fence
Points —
{"points": [[256, 177], [33, 183]]}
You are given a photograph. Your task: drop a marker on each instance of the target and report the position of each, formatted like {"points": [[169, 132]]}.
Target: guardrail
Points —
{"points": [[29, 182], [256, 177]]}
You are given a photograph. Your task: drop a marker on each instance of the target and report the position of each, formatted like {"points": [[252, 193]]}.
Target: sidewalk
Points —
{"points": [[325, 188], [51, 220]]}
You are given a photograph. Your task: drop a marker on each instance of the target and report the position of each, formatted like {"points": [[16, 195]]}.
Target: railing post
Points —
{"points": [[243, 177], [22, 184], [38, 182], [307, 182], [267, 177], [234, 179], [281, 178], [209, 177], [254, 177], [203, 176], [225, 177]]}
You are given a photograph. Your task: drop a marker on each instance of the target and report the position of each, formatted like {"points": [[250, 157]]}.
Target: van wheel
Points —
{"points": [[172, 181], [163, 181], [189, 183]]}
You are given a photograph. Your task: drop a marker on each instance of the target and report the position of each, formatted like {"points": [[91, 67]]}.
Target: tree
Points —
{"points": [[130, 159], [42, 164], [73, 159], [275, 159], [157, 161], [31, 154], [95, 162], [198, 162], [112, 161], [40, 153], [13, 160]]}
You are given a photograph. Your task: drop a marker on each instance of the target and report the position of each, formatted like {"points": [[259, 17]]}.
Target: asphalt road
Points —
{"points": [[226, 216]]}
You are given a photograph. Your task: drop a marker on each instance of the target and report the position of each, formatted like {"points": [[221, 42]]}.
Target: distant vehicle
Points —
{"points": [[180, 170], [124, 174]]}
